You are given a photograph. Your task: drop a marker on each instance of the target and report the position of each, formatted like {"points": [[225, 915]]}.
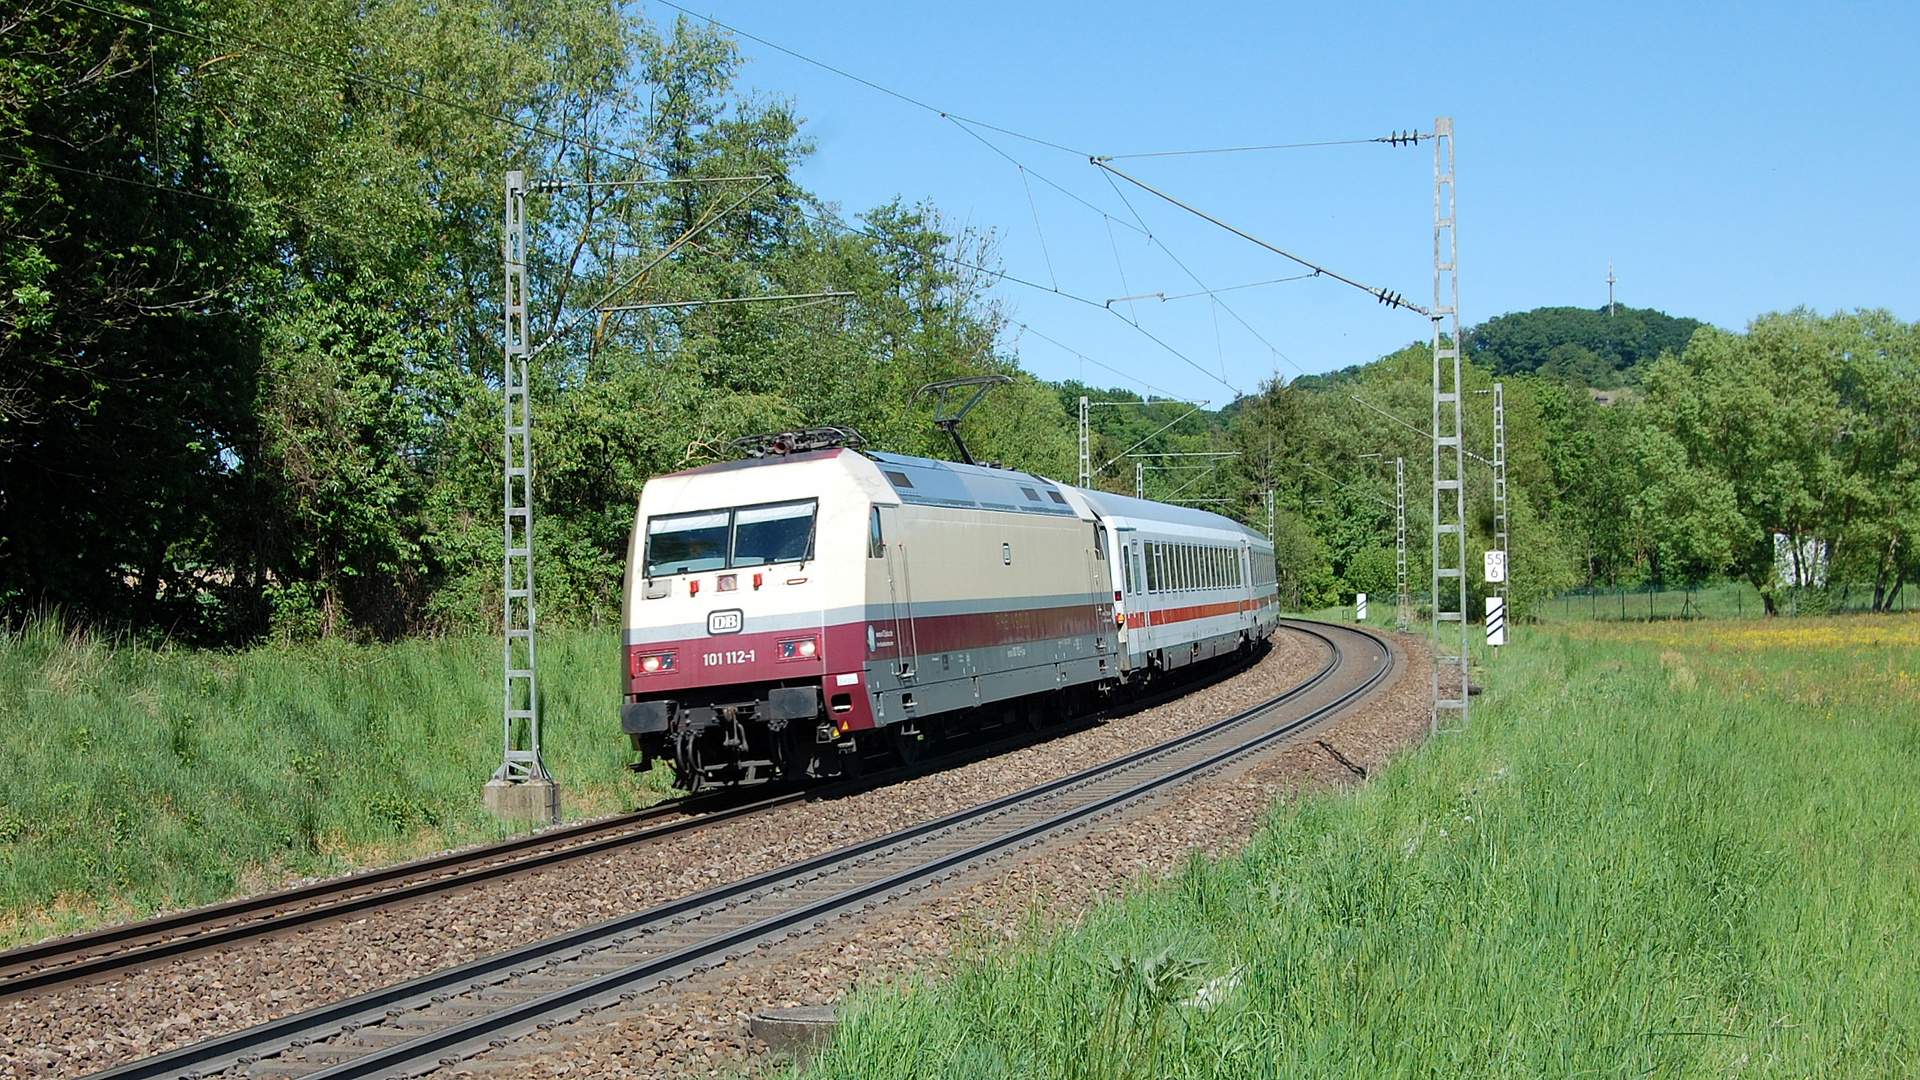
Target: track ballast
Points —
{"points": [[419, 1026]]}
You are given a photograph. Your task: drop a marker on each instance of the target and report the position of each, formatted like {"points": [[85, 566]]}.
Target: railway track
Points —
{"points": [[111, 950], [419, 1026], [58, 963]]}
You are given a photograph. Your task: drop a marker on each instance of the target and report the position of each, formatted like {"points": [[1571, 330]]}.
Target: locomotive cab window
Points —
{"points": [[876, 543], [779, 533], [687, 543], [718, 539]]}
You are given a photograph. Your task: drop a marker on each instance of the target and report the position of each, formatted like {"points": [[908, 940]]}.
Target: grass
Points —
{"points": [[141, 779], [1637, 603], [1663, 850]]}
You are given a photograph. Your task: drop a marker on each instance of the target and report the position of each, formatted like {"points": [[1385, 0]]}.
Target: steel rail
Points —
{"points": [[415, 1054], [116, 948], [97, 954]]}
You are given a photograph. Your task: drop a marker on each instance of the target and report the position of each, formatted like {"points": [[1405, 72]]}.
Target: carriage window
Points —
{"points": [[686, 543], [876, 543]]}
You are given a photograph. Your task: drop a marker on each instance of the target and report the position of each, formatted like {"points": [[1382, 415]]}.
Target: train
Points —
{"points": [[786, 612]]}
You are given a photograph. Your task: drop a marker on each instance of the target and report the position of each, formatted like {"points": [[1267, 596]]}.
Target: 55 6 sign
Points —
{"points": [[1496, 567]]}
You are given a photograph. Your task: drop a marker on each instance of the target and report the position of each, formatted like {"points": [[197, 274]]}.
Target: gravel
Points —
{"points": [[93, 1027], [700, 1027]]}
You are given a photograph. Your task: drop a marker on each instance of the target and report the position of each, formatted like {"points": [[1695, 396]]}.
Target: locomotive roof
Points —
{"points": [[927, 482]]}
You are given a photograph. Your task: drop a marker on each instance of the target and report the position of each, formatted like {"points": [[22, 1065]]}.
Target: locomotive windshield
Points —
{"points": [[717, 539], [683, 543], [782, 532]]}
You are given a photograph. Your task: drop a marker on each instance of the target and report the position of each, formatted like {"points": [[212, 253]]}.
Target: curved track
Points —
{"points": [[58, 963], [419, 1026]]}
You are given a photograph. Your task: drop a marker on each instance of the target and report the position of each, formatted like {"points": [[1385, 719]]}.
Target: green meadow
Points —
{"points": [[139, 779], [1662, 850]]}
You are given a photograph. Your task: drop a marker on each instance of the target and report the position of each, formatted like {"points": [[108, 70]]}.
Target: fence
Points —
{"points": [[1647, 603]]}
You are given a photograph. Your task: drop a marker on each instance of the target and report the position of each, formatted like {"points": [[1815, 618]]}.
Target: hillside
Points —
{"points": [[1588, 347]]}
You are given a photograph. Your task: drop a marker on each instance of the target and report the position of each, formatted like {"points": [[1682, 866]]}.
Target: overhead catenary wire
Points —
{"points": [[1037, 230], [1336, 482], [1385, 296], [1025, 168], [1143, 384], [633, 279], [229, 40], [1236, 288], [1151, 437], [1398, 138], [969, 125], [224, 39], [1154, 239], [1120, 265], [168, 188], [868, 83], [1423, 434], [1004, 275]]}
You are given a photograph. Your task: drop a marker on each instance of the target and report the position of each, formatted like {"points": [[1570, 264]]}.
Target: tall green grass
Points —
{"points": [[138, 778], [1680, 850]]}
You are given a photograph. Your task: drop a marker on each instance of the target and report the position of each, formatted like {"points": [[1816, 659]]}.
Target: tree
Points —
{"points": [[1586, 347], [128, 373]]}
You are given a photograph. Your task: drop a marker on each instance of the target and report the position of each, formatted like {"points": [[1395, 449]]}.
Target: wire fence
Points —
{"points": [[1730, 600]]}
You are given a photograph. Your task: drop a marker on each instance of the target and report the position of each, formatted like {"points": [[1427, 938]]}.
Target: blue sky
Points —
{"points": [[1728, 159]]}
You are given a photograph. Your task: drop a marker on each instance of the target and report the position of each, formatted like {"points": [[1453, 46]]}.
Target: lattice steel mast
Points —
{"points": [[1449, 575], [1500, 497], [1086, 447], [1403, 601], [520, 692]]}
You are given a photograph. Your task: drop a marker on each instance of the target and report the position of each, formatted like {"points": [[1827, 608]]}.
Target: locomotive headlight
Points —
{"points": [[652, 663], [799, 648]]}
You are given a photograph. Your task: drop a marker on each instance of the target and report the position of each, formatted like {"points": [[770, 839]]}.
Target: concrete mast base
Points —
{"points": [[525, 800]]}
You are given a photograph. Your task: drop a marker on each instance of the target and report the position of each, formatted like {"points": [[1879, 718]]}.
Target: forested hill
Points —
{"points": [[1595, 347]]}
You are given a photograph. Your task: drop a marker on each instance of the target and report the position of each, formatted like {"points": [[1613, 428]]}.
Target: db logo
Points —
{"points": [[725, 622]]}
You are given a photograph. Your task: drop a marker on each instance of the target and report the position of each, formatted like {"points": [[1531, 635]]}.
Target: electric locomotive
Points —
{"points": [[785, 611]]}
